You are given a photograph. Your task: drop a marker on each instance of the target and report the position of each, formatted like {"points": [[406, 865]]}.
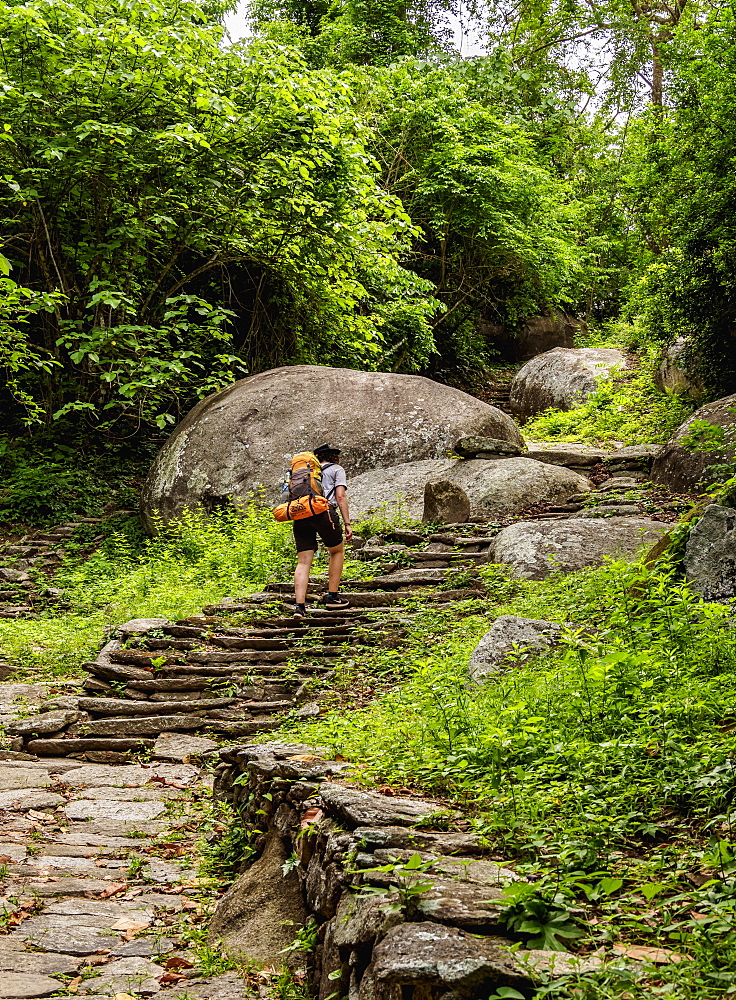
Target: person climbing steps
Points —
{"points": [[316, 490]]}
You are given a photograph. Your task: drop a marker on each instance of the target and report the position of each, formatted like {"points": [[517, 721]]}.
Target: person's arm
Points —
{"points": [[342, 502]]}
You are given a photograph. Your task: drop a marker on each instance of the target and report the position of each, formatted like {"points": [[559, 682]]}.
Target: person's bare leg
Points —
{"points": [[301, 575], [337, 561]]}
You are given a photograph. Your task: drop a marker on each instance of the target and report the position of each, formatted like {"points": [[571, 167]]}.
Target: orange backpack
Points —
{"points": [[304, 496]]}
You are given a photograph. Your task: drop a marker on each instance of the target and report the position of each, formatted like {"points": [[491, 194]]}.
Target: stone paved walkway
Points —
{"points": [[98, 891]]}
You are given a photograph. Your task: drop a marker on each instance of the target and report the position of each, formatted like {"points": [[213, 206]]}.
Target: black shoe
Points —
{"points": [[300, 612], [335, 602]]}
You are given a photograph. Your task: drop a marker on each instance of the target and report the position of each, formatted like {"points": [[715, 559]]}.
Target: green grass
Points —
{"points": [[191, 562]]}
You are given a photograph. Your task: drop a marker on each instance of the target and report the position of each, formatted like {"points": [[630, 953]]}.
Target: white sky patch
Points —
{"points": [[468, 40]]}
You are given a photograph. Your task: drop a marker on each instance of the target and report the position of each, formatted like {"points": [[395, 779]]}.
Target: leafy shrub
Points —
{"points": [[51, 492]]}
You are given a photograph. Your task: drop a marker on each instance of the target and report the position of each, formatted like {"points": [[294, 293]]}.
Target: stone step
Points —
{"points": [[154, 725], [194, 683], [119, 706], [236, 670], [71, 746]]}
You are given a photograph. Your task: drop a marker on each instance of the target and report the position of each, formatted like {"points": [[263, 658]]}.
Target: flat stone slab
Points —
{"points": [[128, 776], [119, 706], [371, 809], [148, 726], [47, 722], [180, 746], [21, 985], [65, 747], [145, 794], [130, 812], [26, 777], [143, 948], [231, 986], [564, 453], [110, 908], [139, 626], [126, 975], [56, 932], [67, 886], [417, 840], [21, 801], [39, 963]]}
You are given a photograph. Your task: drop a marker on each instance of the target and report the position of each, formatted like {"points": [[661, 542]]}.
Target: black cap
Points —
{"points": [[325, 447]]}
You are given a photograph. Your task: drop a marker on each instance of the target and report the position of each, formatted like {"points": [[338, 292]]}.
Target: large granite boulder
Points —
{"points": [[710, 554], [535, 550], [494, 489], [682, 470], [675, 372], [535, 335], [560, 379], [511, 641], [241, 438]]}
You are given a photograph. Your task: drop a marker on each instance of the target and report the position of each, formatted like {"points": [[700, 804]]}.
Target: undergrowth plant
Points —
{"points": [[626, 407]]}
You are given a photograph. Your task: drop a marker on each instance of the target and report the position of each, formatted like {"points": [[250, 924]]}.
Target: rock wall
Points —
{"points": [[338, 840]]}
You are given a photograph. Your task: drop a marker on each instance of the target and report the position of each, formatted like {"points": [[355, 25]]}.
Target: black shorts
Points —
{"points": [[326, 525]]}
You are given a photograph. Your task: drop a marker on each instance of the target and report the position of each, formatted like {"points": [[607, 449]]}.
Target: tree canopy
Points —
{"points": [[343, 188]]}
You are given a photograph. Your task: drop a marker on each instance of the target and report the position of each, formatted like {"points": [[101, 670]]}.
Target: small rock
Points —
{"points": [[180, 746], [22, 801], [48, 722], [445, 502], [512, 639], [20, 985], [469, 447]]}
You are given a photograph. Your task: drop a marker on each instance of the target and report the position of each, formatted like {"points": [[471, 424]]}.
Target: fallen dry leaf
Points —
{"points": [[177, 962], [5, 859], [100, 959], [113, 889], [124, 996], [74, 984], [305, 756], [130, 925], [641, 953], [170, 977], [313, 815]]}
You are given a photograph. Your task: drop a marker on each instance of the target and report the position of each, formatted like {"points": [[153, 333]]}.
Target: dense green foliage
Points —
{"points": [[342, 188], [604, 769]]}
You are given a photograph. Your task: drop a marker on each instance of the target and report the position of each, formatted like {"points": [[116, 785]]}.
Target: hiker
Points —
{"points": [[327, 526]]}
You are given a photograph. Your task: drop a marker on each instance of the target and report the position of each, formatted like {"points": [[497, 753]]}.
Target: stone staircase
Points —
{"points": [[241, 667]]}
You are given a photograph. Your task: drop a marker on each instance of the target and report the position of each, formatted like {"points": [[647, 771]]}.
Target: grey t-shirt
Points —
{"points": [[332, 476]]}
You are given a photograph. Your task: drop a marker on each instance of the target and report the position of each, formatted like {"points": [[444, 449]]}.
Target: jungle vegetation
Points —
{"points": [[343, 187]]}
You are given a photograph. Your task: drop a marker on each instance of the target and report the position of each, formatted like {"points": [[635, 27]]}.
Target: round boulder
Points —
{"points": [[560, 379], [535, 550], [240, 439], [682, 470], [494, 489]]}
